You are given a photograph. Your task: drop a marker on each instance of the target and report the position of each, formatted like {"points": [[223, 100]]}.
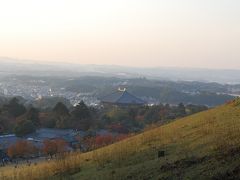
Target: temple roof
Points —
{"points": [[122, 97]]}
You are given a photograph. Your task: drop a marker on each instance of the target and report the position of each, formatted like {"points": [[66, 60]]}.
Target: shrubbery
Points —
{"points": [[14, 117], [24, 127]]}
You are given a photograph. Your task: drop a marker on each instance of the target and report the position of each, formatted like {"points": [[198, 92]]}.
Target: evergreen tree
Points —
{"points": [[24, 127], [81, 116], [61, 115], [14, 108], [33, 115], [61, 110], [81, 111], [181, 110]]}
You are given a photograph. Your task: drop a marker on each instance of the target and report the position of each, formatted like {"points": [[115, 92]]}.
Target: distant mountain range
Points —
{"points": [[27, 67]]}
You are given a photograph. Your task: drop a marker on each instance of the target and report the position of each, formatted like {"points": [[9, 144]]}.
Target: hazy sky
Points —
{"points": [[189, 33]]}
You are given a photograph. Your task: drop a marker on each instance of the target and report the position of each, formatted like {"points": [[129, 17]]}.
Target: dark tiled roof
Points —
{"points": [[122, 97], [39, 136], [47, 133], [8, 140]]}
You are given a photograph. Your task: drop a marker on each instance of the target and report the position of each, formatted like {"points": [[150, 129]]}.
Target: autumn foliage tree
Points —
{"points": [[21, 149], [52, 147], [104, 140]]}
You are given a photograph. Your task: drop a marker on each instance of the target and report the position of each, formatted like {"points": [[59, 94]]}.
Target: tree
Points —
{"points": [[49, 147], [191, 109], [6, 124], [62, 122], [52, 147], [152, 115], [103, 140], [15, 108], [62, 116], [81, 116], [181, 110], [24, 127], [21, 149], [33, 115], [48, 122], [61, 110], [81, 111]]}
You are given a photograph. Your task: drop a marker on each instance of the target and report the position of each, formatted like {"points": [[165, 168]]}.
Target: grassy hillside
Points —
{"points": [[203, 146]]}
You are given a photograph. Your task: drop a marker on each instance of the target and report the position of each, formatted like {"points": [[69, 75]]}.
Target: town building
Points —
{"points": [[122, 97]]}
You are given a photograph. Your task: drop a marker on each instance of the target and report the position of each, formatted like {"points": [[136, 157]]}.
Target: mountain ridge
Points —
{"points": [[14, 66]]}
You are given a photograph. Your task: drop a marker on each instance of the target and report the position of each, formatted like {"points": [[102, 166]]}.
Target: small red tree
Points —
{"points": [[49, 147], [11, 151], [121, 137], [21, 149], [52, 147], [103, 140], [61, 145]]}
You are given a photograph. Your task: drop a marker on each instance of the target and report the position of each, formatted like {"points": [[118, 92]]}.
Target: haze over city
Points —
{"points": [[119, 89], [146, 33]]}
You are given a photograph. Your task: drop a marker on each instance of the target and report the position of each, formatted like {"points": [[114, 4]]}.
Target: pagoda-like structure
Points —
{"points": [[123, 98]]}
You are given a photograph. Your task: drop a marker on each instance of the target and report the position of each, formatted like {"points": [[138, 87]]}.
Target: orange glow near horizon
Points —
{"points": [[143, 33]]}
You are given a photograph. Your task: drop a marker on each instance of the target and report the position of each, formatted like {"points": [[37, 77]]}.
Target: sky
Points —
{"points": [[145, 33]]}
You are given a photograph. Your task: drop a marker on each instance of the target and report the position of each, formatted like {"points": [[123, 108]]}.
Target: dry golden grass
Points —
{"points": [[215, 130]]}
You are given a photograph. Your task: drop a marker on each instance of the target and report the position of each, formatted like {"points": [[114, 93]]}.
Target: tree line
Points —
{"points": [[21, 120]]}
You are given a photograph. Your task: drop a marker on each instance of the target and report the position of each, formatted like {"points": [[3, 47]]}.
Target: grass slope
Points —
{"points": [[202, 146]]}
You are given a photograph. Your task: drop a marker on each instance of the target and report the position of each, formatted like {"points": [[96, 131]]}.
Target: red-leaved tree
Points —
{"points": [[52, 147], [22, 149]]}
